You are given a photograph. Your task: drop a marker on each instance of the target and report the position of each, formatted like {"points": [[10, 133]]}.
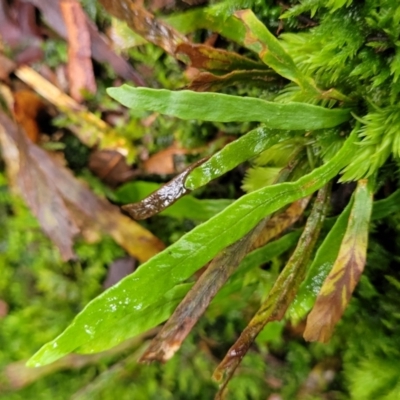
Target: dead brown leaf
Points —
{"points": [[145, 24], [162, 163], [100, 47], [111, 167], [63, 205], [118, 270], [27, 107], [208, 82], [19, 31], [280, 222], [80, 68], [209, 58]]}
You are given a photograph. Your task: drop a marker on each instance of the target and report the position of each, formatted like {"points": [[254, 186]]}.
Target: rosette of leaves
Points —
{"points": [[332, 111]]}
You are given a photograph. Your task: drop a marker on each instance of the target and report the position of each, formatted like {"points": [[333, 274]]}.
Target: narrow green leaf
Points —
{"points": [[259, 39], [319, 269], [386, 207], [186, 104], [160, 274], [235, 153], [282, 292]]}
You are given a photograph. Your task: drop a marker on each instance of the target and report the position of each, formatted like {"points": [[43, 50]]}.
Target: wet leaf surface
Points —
{"points": [[163, 197], [126, 304], [188, 207], [217, 272], [281, 294]]}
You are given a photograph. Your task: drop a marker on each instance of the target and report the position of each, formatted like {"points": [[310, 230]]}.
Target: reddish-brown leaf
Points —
{"points": [[339, 285], [19, 31], [100, 47], [207, 82], [162, 163], [80, 68], [111, 167], [212, 59], [27, 107], [145, 24]]}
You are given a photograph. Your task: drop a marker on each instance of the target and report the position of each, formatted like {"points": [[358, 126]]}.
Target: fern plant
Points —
{"points": [[331, 111]]}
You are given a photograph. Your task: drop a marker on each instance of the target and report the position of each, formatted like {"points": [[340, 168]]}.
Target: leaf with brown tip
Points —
{"points": [[339, 285], [162, 198]]}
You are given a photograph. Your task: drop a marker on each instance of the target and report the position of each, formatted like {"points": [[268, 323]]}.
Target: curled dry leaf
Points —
{"points": [[80, 68], [63, 205], [339, 285]]}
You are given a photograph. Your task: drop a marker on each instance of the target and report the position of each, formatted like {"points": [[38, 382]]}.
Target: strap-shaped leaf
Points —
{"points": [[338, 287], [259, 39], [159, 275], [319, 269], [281, 294], [246, 147], [186, 104], [186, 207]]}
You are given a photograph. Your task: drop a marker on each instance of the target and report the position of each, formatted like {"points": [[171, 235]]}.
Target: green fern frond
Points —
{"points": [[395, 65], [380, 138], [259, 177], [305, 6], [334, 5], [228, 7], [375, 378], [280, 154], [326, 51]]}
